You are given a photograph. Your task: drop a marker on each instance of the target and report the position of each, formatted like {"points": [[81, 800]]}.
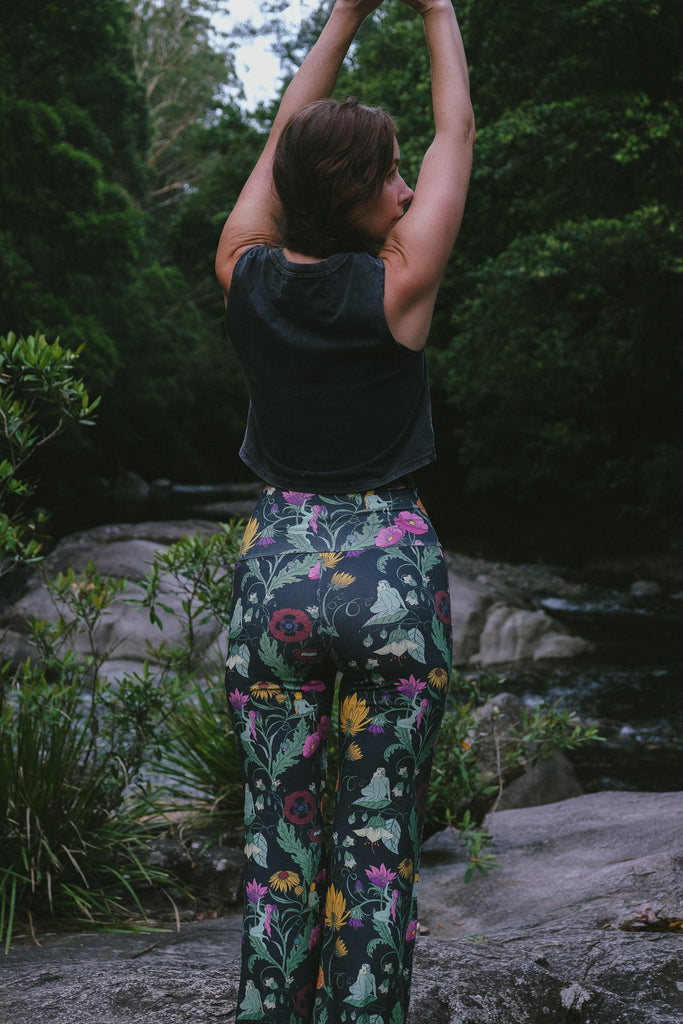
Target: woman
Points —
{"points": [[329, 294]]}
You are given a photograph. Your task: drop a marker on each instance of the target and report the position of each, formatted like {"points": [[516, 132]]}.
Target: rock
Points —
{"points": [[211, 871], [130, 486], [516, 634], [557, 934], [645, 589], [542, 938], [470, 602], [118, 551], [543, 781]]}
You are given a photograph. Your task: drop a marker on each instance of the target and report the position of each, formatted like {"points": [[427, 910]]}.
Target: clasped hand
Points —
{"points": [[363, 8]]}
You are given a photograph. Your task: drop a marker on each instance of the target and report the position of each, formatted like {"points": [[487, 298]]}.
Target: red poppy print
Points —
{"points": [[299, 807], [442, 603], [290, 624]]}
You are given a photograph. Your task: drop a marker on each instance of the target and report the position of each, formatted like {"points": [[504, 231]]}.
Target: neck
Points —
{"points": [[300, 257]]}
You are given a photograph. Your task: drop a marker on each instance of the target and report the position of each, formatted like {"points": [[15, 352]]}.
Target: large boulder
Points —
{"points": [[125, 634], [580, 921], [579, 924]]}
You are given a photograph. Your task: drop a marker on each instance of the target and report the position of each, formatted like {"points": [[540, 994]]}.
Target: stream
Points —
{"points": [[631, 684]]}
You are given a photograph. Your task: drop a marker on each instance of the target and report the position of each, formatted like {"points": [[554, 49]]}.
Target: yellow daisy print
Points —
{"points": [[283, 881], [353, 715], [342, 579], [340, 947], [330, 559], [251, 532], [264, 690], [354, 753], [438, 677], [406, 869], [336, 914]]}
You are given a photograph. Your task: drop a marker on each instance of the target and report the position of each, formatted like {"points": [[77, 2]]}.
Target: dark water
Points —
{"points": [[631, 683]]}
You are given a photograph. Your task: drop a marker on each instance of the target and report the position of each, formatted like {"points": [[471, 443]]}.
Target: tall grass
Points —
{"points": [[70, 833]]}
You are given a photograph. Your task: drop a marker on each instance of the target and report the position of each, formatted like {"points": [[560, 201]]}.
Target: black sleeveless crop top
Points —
{"points": [[336, 404]]}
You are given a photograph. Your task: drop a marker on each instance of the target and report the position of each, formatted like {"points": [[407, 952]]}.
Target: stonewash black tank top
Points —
{"points": [[336, 404]]}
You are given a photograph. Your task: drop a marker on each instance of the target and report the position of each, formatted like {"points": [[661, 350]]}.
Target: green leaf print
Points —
{"points": [[365, 536], [382, 929], [373, 944], [294, 847], [256, 846], [429, 558], [293, 752], [294, 571], [268, 652], [439, 638], [418, 651], [383, 562]]}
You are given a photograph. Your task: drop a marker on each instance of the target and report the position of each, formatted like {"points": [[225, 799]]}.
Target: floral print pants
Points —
{"points": [[349, 590]]}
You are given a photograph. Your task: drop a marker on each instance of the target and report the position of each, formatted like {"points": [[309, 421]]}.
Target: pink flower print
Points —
{"points": [[314, 938], [411, 523], [313, 521], [380, 876], [394, 901], [389, 535], [255, 891], [314, 571], [269, 916], [314, 685], [265, 541], [238, 700], [253, 718], [324, 726], [423, 708], [411, 931], [296, 497], [411, 686], [311, 744]]}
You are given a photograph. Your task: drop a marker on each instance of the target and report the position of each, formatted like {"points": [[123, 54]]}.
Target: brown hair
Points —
{"points": [[330, 161]]}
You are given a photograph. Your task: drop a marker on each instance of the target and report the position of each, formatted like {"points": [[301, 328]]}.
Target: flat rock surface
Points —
{"points": [[557, 933]]}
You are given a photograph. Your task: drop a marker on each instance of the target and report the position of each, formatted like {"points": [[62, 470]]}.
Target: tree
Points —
{"points": [[184, 77], [556, 350]]}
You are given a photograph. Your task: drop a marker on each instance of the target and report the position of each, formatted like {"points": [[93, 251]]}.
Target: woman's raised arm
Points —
{"points": [[255, 218], [417, 250]]}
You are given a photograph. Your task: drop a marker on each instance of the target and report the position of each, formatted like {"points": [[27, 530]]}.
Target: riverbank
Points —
{"points": [[580, 923]]}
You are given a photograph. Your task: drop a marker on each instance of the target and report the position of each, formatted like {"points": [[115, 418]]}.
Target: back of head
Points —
{"points": [[331, 161]]}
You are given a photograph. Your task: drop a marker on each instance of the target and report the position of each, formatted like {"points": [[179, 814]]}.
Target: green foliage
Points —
{"points": [[38, 394], [466, 783], [566, 362], [71, 845]]}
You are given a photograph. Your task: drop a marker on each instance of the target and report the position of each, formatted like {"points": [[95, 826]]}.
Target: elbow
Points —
{"points": [[469, 127]]}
